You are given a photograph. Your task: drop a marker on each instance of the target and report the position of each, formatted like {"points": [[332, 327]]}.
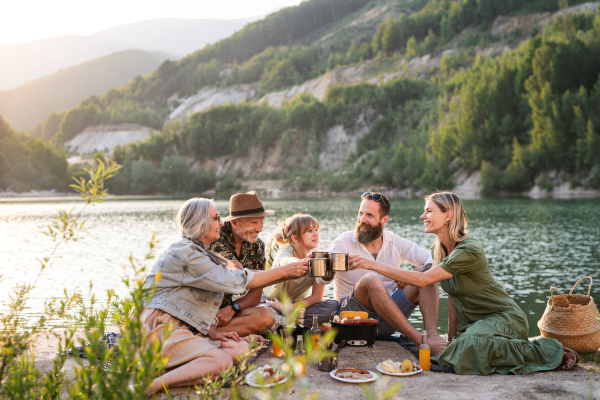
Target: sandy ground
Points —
{"points": [[583, 382]]}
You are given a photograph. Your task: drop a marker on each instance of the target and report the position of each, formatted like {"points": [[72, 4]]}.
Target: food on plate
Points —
{"points": [[336, 318], [390, 366], [407, 366], [359, 321], [353, 373], [353, 314], [270, 374]]}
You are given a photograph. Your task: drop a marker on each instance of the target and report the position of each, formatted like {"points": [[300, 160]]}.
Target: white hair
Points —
{"points": [[193, 218]]}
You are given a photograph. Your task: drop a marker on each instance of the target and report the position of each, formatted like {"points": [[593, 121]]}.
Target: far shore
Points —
{"points": [[271, 192]]}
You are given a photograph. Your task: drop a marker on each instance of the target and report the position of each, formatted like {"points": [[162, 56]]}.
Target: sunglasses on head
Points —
{"points": [[375, 196]]}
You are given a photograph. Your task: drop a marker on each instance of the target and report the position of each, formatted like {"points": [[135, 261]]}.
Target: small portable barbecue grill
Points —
{"points": [[355, 335]]}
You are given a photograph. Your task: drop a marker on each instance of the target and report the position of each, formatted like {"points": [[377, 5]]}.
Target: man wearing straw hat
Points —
{"points": [[239, 243]]}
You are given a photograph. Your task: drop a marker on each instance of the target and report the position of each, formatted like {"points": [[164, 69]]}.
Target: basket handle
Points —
{"points": [[552, 297], [589, 288]]}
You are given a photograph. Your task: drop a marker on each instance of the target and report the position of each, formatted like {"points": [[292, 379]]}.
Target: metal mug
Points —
{"points": [[338, 261], [318, 267], [320, 254], [302, 317]]}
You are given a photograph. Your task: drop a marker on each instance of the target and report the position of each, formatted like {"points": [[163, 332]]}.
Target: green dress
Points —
{"points": [[492, 333]]}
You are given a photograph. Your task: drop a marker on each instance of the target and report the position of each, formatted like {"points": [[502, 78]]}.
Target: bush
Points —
{"points": [[50, 182], [143, 177], [203, 181], [24, 172], [173, 175], [228, 185], [545, 183]]}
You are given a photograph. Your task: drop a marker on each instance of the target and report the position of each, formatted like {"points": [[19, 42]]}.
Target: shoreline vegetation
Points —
{"points": [[284, 193]]}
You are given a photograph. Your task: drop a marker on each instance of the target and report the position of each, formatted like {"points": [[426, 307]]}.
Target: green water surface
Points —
{"points": [[531, 245]]}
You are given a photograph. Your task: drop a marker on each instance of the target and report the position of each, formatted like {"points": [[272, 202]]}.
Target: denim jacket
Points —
{"points": [[191, 285]]}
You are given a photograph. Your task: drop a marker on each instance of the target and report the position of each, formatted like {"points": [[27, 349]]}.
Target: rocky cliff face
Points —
{"points": [[106, 137], [339, 144], [525, 22]]}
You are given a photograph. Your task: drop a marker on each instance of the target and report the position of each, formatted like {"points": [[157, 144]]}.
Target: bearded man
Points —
{"points": [[381, 296]]}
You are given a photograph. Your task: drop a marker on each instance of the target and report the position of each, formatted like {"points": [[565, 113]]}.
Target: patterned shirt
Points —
{"points": [[252, 255]]}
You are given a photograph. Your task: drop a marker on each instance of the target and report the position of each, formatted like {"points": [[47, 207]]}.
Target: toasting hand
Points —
{"points": [[297, 269], [355, 261]]}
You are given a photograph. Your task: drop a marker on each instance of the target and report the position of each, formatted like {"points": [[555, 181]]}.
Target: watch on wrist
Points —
{"points": [[236, 307]]}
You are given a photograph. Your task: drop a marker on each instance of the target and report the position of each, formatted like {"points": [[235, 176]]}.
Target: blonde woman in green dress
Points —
{"points": [[488, 332]]}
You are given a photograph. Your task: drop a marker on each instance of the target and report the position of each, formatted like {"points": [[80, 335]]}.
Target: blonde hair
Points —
{"points": [[457, 225], [297, 225], [193, 221]]}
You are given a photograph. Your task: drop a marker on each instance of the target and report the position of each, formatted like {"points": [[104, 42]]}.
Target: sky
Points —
{"points": [[26, 20]]}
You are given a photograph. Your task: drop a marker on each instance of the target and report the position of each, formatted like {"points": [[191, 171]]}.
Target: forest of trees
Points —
{"points": [[28, 163], [512, 117]]}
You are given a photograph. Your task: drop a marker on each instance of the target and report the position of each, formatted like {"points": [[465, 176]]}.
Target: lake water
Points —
{"points": [[531, 245]]}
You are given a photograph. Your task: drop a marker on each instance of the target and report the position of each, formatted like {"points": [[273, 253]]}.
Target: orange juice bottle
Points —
{"points": [[277, 349], [299, 358], [425, 353], [315, 334]]}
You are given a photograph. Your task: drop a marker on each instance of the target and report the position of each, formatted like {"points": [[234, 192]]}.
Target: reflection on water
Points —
{"points": [[530, 244]]}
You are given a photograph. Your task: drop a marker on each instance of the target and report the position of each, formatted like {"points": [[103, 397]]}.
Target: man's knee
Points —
{"points": [[371, 281], [263, 318], [267, 318]]}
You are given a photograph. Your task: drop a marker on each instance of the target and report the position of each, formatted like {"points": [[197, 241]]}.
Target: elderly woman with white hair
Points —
{"points": [[190, 282]]}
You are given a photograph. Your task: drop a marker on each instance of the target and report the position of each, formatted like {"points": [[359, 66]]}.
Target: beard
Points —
{"points": [[245, 235], [371, 233]]}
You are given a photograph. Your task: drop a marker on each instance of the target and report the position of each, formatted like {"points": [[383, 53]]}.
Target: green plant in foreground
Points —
{"points": [[137, 358], [18, 377]]}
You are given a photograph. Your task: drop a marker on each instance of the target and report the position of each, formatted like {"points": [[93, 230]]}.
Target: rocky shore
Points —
{"points": [[583, 382]]}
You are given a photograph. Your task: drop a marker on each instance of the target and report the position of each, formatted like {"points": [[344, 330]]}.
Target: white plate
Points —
{"points": [[251, 380], [399, 373], [373, 377]]}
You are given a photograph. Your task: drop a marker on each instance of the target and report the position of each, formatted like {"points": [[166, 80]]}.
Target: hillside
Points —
{"points": [[411, 95], [28, 163], [27, 105], [24, 62]]}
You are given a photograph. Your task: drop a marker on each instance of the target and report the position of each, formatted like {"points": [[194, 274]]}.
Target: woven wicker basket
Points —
{"points": [[572, 320]]}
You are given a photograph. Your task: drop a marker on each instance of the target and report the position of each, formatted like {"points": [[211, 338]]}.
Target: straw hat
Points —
{"points": [[246, 205]]}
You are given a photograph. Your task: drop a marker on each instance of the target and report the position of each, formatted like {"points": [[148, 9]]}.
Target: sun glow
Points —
{"points": [[27, 20]]}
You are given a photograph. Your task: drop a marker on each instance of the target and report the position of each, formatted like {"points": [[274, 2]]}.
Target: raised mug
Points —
{"points": [[318, 267], [339, 261]]}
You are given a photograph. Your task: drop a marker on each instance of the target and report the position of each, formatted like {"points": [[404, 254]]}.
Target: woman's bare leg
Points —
{"points": [[233, 349], [193, 372]]}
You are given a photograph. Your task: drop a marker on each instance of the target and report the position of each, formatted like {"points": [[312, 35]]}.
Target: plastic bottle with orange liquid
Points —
{"points": [[425, 353]]}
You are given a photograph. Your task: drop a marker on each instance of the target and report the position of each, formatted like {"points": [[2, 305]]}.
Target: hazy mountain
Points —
{"points": [[175, 36], [29, 104], [23, 62]]}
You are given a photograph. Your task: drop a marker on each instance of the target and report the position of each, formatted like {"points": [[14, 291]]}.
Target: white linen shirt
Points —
{"points": [[394, 251]]}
